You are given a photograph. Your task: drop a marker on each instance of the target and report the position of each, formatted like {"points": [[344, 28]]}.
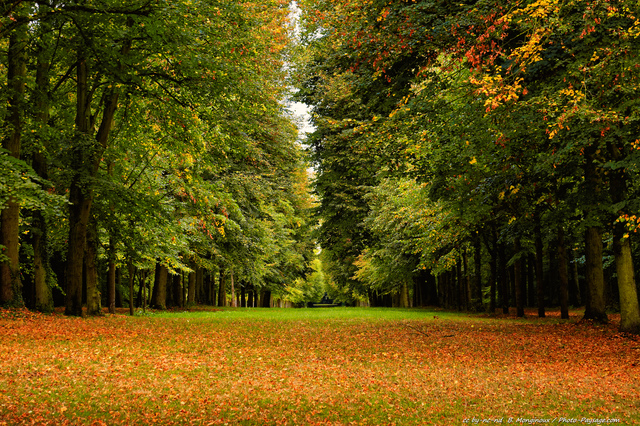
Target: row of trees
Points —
{"points": [[472, 139], [147, 138]]}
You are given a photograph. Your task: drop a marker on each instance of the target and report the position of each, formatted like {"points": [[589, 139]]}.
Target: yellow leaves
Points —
{"points": [[539, 9], [473, 161], [531, 51], [497, 90]]}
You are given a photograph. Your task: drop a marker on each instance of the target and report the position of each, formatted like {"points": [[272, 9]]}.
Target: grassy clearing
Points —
{"points": [[313, 366]]}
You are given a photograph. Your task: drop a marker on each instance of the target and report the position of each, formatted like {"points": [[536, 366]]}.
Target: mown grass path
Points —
{"points": [[313, 366]]}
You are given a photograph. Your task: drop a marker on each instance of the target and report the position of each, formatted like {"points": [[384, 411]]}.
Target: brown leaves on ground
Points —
{"points": [[220, 370]]}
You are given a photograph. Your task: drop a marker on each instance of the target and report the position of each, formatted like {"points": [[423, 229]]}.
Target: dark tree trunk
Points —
{"points": [[539, 266], [243, 300], [493, 280], [177, 290], [466, 282], [531, 280], [594, 273], [233, 290], [159, 297], [86, 163], [493, 252], [111, 279], [575, 297], [504, 282], [595, 304], [432, 289], [250, 298], [212, 288], [517, 279], [265, 298], [132, 272], [119, 303], [222, 290], [199, 298], [191, 295], [476, 289], [563, 275]]}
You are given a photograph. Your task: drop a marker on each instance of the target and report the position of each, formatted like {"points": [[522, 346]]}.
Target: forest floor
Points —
{"points": [[333, 366]]}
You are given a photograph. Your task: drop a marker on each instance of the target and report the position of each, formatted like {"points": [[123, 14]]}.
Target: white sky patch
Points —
{"points": [[299, 110], [301, 113]]}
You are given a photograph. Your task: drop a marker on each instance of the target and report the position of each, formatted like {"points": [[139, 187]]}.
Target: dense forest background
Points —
{"points": [[476, 155], [147, 155]]}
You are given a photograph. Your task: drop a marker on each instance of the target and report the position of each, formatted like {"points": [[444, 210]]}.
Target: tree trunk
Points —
{"points": [[177, 290], [575, 296], [629, 308], [199, 296], [504, 282], [627, 290], [563, 275], [233, 291], [111, 280], [531, 279], [251, 296], [466, 280], [404, 296], [159, 298], [10, 283], [86, 163], [185, 287], [94, 299], [143, 289], [539, 266], [191, 295], [222, 291], [476, 290], [595, 306], [265, 299], [132, 271], [119, 297], [517, 279], [43, 297]]}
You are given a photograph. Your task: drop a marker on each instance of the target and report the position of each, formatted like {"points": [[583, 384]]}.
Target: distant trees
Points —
{"points": [[147, 136], [492, 144]]}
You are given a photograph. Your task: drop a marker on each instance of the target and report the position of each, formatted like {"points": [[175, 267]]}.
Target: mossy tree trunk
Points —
{"points": [[10, 283], [94, 298]]}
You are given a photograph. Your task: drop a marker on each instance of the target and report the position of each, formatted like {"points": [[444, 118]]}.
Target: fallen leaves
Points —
{"points": [[122, 370]]}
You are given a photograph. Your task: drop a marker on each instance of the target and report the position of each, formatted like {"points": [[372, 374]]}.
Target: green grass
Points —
{"points": [[364, 366]]}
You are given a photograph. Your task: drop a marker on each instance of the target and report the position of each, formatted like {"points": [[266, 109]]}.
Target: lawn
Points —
{"points": [[315, 366]]}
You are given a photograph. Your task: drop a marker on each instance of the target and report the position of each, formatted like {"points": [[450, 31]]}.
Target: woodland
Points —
{"points": [[469, 189], [477, 156]]}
